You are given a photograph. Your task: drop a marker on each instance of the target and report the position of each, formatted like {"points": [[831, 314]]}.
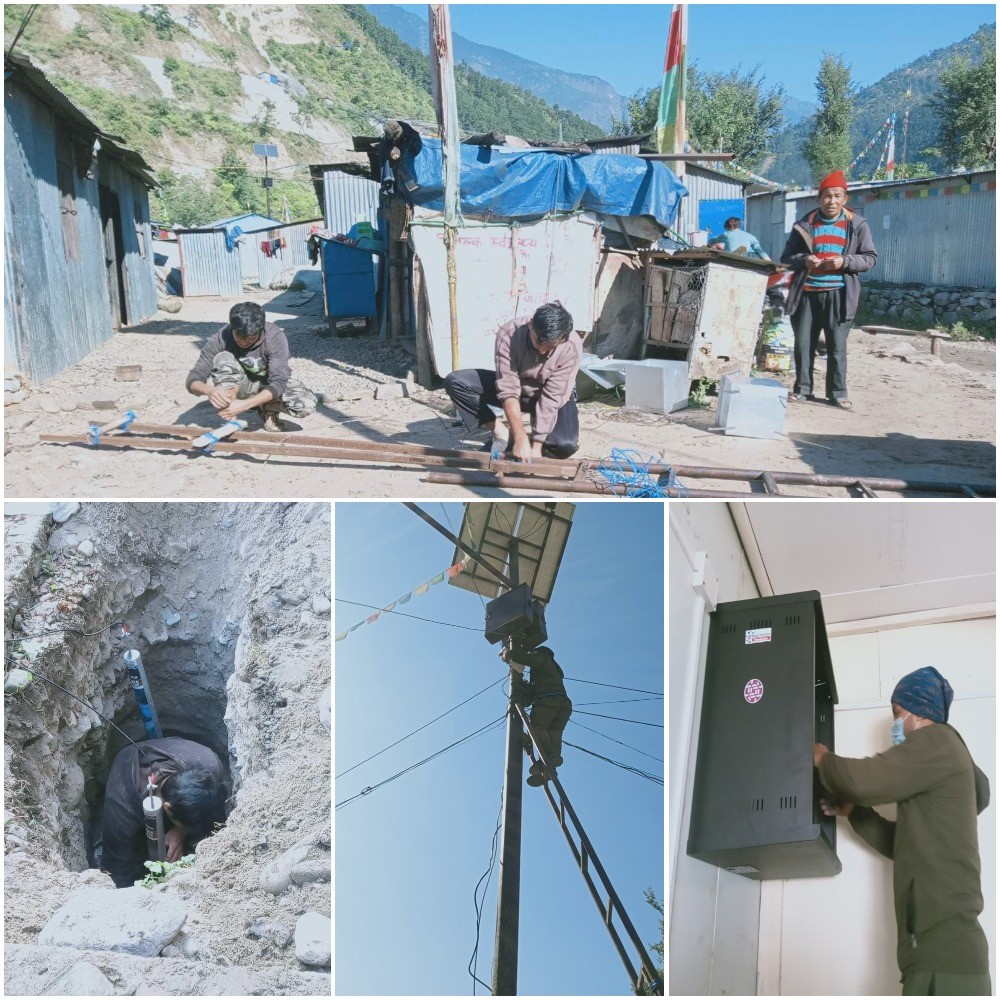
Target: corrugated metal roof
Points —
{"points": [[244, 221], [34, 79]]}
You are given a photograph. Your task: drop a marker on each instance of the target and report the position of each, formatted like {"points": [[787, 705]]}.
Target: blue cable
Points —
{"points": [[130, 417], [627, 473]]}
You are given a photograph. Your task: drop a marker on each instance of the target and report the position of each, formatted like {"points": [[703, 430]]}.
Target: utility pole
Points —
{"points": [[504, 981]]}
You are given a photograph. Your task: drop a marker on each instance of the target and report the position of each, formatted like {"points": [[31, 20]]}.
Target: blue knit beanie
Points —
{"points": [[925, 693]]}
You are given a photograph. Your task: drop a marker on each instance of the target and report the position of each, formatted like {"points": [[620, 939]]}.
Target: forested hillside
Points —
{"points": [[192, 87]]}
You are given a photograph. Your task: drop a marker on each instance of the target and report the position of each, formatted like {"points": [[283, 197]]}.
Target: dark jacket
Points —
{"points": [[860, 255], [266, 362], [546, 676], [123, 831], [933, 844]]}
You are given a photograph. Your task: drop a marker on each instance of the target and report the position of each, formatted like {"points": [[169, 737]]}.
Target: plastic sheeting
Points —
{"points": [[528, 183]]}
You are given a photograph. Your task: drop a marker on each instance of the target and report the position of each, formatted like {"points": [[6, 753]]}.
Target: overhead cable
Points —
{"points": [[616, 701], [406, 770], [374, 607], [618, 718], [424, 726], [620, 687], [628, 746], [655, 778]]}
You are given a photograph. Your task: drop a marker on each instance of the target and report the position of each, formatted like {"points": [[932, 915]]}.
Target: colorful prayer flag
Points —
{"points": [[670, 123]]}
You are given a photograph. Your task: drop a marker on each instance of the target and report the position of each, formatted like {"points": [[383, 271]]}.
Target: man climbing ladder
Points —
{"points": [[550, 706]]}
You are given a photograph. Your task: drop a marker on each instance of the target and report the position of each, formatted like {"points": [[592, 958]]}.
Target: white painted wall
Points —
{"points": [[713, 915], [730, 935], [838, 936]]}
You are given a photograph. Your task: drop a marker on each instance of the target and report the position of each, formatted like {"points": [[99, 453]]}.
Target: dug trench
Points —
{"points": [[228, 606]]}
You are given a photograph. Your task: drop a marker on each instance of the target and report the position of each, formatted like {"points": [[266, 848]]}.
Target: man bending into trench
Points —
{"points": [[190, 782]]}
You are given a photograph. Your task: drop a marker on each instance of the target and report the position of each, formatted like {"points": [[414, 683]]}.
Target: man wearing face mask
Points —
{"points": [[933, 844]]}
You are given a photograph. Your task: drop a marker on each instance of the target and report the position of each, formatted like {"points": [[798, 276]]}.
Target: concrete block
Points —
{"points": [[312, 939]]}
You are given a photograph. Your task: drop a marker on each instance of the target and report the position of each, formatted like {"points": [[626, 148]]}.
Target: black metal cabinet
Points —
{"points": [[768, 697]]}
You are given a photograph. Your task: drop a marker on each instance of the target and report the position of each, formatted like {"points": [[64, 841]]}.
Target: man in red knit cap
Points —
{"points": [[827, 249]]}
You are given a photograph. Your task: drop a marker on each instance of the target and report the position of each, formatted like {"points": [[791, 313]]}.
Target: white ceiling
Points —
{"points": [[874, 560]]}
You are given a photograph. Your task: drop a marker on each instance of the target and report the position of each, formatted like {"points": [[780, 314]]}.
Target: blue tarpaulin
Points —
{"points": [[531, 182]]}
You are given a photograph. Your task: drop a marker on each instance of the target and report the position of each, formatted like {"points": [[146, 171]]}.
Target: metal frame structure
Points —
{"points": [[645, 981], [477, 469]]}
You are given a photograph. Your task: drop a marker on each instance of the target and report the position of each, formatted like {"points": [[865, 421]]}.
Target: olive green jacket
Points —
{"points": [[938, 791]]}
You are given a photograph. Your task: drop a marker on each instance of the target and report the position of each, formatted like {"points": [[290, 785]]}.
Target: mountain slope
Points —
{"points": [[192, 87], [872, 106], [588, 96]]}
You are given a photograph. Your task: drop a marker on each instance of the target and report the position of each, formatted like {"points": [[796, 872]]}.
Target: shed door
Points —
{"points": [[114, 254], [712, 215]]}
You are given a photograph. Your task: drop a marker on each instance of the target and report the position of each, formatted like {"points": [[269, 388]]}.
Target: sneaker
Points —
{"points": [[273, 424], [536, 780], [555, 760]]}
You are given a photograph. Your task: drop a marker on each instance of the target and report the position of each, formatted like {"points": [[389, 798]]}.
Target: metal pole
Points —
{"points": [[267, 189], [460, 544], [504, 981]]}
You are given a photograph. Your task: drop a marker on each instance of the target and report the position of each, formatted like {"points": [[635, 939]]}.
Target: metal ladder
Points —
{"points": [[646, 981]]}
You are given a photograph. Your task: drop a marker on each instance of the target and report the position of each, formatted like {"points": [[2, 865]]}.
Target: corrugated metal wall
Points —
{"points": [[294, 254], [946, 236], [57, 309], [140, 280], [208, 266], [703, 185], [345, 197]]}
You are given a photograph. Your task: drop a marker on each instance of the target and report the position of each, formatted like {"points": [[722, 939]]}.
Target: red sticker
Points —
{"points": [[754, 691]]}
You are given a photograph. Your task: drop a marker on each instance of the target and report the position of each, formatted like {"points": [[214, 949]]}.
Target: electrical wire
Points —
{"points": [[618, 718], [468, 628], [620, 687], [59, 631], [42, 677], [24, 24], [629, 746], [424, 726], [616, 701], [655, 778], [406, 770], [474, 960]]}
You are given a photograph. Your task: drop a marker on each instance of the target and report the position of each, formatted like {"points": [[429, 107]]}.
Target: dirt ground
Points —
{"points": [[915, 416]]}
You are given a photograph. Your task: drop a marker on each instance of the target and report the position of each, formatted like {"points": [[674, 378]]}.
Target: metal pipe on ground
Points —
{"points": [[546, 485]]}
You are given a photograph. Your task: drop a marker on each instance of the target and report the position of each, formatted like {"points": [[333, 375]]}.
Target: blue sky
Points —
{"points": [[624, 44], [409, 854]]}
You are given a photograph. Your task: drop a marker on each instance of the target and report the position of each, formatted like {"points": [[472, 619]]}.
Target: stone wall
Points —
{"points": [[930, 306]]}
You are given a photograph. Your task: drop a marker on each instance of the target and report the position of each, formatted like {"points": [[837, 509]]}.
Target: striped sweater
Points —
{"points": [[829, 240]]}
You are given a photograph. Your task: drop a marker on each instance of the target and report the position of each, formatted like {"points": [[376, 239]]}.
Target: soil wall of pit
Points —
{"points": [[229, 607]]}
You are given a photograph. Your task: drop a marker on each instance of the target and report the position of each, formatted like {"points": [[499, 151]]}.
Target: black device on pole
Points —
{"points": [[516, 616], [768, 697]]}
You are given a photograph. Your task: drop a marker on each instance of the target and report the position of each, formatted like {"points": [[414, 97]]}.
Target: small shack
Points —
{"points": [[540, 222], [246, 224], [78, 260]]}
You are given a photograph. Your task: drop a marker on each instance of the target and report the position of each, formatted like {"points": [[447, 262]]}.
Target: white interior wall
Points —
{"points": [[731, 935], [713, 915], [849, 919]]}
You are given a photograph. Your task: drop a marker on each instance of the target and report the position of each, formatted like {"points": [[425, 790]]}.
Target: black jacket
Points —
{"points": [[123, 830], [860, 255]]}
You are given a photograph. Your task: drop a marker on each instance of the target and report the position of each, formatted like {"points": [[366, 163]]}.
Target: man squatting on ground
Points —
{"points": [[827, 249], [933, 844], [190, 783], [551, 708], [536, 363], [245, 366]]}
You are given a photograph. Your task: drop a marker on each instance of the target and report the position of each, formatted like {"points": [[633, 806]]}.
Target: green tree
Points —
{"points": [[965, 103], [734, 112], [657, 905], [266, 120], [234, 179], [828, 146], [189, 201], [159, 16]]}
